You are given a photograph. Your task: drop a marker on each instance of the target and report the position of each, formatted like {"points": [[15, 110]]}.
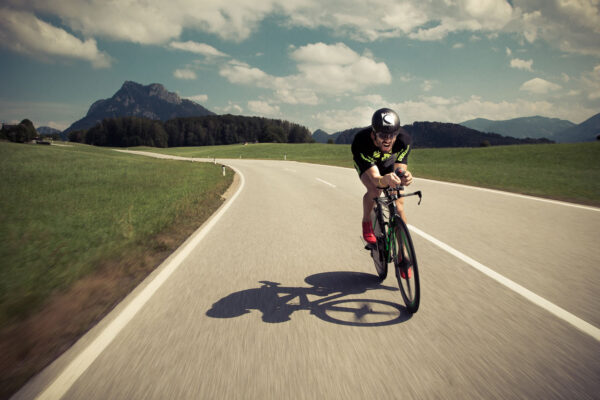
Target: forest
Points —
{"points": [[191, 131]]}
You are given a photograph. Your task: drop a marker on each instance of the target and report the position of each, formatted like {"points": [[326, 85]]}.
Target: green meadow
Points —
{"points": [[66, 210], [569, 172]]}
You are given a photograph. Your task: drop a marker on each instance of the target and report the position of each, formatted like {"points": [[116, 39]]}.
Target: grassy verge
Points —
{"points": [[569, 172], [80, 227]]}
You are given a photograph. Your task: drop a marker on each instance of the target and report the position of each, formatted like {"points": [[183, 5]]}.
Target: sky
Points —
{"points": [[324, 64]]}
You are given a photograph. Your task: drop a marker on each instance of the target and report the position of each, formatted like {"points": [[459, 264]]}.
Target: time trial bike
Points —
{"points": [[394, 244]]}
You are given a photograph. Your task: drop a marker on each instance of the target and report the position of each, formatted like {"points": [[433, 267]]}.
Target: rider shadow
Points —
{"points": [[278, 303]]}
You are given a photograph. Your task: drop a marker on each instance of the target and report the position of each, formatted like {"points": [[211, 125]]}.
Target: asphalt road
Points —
{"points": [[277, 298]]}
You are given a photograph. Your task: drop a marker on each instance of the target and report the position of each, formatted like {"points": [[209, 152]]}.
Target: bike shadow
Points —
{"points": [[277, 303]]}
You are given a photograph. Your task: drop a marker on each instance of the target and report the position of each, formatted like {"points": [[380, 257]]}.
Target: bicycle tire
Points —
{"points": [[409, 280], [378, 251]]}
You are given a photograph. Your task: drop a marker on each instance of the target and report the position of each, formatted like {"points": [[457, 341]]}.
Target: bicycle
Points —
{"points": [[394, 244]]}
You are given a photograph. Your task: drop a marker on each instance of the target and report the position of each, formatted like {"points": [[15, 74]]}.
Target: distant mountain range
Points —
{"points": [[49, 131], [437, 134], [479, 131], [558, 130], [136, 100]]}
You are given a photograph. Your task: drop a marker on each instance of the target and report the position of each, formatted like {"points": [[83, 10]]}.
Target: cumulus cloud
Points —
{"points": [[325, 70], [199, 98], [571, 26], [539, 86], [337, 68], [186, 74], [25, 33], [198, 48], [521, 64], [263, 108]]}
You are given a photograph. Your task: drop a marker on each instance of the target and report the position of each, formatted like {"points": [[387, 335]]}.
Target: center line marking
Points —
{"points": [[561, 313], [325, 182]]}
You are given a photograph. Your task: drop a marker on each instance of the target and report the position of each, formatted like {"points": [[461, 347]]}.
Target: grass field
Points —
{"points": [[80, 227], [569, 172], [64, 209]]}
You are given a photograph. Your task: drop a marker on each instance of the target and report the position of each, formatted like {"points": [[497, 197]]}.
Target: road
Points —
{"points": [[277, 298]]}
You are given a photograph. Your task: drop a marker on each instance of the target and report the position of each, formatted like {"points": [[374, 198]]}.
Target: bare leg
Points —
{"points": [[368, 199]]}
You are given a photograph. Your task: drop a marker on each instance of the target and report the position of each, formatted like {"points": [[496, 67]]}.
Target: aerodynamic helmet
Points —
{"points": [[385, 121]]}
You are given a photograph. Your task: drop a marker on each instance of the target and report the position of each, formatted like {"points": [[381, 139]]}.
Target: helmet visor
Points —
{"points": [[386, 135]]}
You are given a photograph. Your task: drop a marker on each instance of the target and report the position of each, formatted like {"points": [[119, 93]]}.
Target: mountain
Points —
{"points": [[438, 134], [320, 136], [136, 100], [587, 131], [525, 127], [48, 131], [347, 136]]}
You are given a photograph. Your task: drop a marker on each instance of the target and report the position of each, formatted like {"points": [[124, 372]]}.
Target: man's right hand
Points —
{"points": [[392, 179]]}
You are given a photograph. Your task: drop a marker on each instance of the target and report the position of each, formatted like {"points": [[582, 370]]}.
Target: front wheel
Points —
{"points": [[405, 264], [378, 250]]}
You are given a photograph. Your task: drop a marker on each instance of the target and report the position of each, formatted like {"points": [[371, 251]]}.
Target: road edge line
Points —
{"points": [[559, 312], [69, 375]]}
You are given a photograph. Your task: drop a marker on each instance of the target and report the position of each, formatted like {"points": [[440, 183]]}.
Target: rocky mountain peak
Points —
{"points": [[133, 99]]}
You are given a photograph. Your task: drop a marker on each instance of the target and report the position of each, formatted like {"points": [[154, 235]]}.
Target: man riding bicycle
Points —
{"points": [[378, 151]]}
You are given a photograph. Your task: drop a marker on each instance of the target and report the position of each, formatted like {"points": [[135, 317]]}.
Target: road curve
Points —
{"points": [[279, 300]]}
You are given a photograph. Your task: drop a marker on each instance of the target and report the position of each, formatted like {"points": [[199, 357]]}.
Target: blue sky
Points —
{"points": [[325, 65]]}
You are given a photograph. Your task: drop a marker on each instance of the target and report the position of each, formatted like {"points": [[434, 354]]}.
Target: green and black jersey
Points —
{"points": [[366, 154]]}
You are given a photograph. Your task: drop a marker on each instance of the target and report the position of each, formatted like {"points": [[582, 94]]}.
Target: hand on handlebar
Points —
{"points": [[405, 177], [391, 180]]}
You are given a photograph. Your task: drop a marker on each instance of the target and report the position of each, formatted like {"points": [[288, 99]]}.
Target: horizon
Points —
{"points": [[321, 66]]}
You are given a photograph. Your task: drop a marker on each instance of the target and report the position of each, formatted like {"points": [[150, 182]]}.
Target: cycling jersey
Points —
{"points": [[366, 154]]}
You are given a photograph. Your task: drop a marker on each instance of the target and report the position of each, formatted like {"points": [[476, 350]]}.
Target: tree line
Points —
{"points": [[190, 131], [22, 133]]}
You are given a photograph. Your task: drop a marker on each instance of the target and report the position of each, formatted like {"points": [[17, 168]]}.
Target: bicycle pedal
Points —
{"points": [[371, 246]]}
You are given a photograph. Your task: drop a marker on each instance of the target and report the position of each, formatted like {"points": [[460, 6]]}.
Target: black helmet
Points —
{"points": [[386, 121]]}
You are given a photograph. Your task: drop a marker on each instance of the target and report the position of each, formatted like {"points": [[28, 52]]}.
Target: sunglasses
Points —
{"points": [[384, 136]]}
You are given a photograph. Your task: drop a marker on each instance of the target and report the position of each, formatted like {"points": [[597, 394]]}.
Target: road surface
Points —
{"points": [[276, 298]]}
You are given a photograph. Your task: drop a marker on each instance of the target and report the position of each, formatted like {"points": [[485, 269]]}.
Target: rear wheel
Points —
{"points": [[405, 264], [378, 250]]}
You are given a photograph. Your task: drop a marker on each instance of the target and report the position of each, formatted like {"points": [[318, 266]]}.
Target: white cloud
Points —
{"points": [[323, 70], [591, 84], [199, 98], [263, 108], [186, 74], [198, 48], [337, 120], [427, 85], [25, 33], [230, 108], [521, 64], [539, 86], [242, 73], [570, 25]]}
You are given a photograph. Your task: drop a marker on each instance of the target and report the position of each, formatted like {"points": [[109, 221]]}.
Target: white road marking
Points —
{"points": [[522, 196], [325, 182], [529, 295], [80, 364]]}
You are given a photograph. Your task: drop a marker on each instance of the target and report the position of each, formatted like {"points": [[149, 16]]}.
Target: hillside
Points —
{"points": [[135, 100], [437, 134], [526, 127], [587, 131]]}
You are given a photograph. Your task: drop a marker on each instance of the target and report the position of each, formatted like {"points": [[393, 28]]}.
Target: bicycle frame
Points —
{"points": [[388, 201]]}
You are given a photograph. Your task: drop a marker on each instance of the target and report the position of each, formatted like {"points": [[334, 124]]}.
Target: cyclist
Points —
{"points": [[378, 151]]}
